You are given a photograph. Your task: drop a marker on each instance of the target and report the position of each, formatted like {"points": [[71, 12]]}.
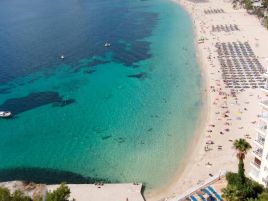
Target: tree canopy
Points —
{"points": [[62, 193], [242, 147], [5, 195], [248, 4], [239, 187], [265, 3]]}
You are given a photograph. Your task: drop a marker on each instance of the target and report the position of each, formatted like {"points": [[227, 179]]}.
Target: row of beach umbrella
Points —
{"points": [[239, 66], [234, 49], [225, 28], [213, 11]]}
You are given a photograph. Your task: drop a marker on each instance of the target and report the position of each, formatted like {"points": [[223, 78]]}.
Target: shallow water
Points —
{"points": [[121, 114]]}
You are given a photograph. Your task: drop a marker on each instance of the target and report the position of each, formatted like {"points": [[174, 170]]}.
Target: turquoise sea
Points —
{"points": [[125, 113]]}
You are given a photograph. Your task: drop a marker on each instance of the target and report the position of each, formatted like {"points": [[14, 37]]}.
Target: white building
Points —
{"points": [[259, 164]]}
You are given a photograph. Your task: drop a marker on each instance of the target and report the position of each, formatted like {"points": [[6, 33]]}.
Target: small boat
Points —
{"points": [[107, 44], [5, 114], [62, 57]]}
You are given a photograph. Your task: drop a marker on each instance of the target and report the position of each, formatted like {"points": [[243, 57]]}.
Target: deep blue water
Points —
{"points": [[120, 114], [35, 33]]}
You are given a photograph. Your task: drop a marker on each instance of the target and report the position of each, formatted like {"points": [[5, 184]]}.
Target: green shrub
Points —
{"points": [[250, 189], [265, 21], [16, 196], [4, 194], [230, 193], [259, 13], [232, 178], [265, 3], [263, 196], [236, 190], [248, 4], [62, 193], [252, 199], [19, 196]]}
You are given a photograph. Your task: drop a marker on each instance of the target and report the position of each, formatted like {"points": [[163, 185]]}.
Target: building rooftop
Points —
{"points": [[105, 192]]}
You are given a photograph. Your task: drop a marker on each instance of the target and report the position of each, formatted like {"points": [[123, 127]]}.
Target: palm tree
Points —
{"points": [[242, 147]]}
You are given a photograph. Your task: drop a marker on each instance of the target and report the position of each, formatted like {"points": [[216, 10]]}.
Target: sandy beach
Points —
{"points": [[224, 117]]}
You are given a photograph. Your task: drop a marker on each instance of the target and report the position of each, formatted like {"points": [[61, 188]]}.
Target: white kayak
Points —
{"points": [[5, 114]]}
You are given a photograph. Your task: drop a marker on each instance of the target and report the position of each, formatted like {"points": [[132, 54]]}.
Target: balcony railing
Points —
{"points": [[263, 115], [258, 152], [264, 103], [262, 129], [266, 84], [260, 141], [256, 165], [265, 75], [254, 173], [265, 180], [265, 89]]}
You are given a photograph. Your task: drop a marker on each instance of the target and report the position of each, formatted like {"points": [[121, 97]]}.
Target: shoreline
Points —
{"points": [[202, 119], [193, 170]]}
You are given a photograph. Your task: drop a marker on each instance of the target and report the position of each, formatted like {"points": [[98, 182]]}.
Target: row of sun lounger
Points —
{"points": [[213, 11], [226, 28], [234, 49], [239, 66], [205, 194]]}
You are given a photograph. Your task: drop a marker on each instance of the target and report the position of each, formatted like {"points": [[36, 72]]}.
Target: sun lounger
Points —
{"points": [[206, 191], [211, 197], [201, 197], [215, 193], [193, 198]]}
